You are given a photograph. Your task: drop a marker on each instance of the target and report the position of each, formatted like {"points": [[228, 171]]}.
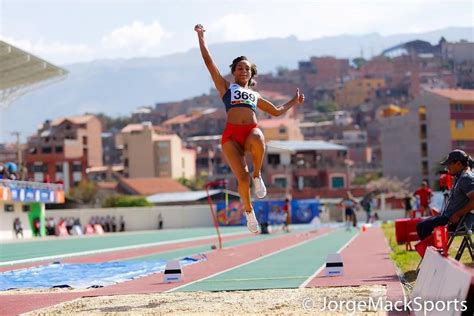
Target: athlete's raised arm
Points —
{"points": [[271, 109], [219, 81]]}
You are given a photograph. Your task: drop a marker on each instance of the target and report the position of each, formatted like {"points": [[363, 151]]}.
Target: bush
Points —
{"points": [[126, 201], [194, 184], [85, 192], [325, 106]]}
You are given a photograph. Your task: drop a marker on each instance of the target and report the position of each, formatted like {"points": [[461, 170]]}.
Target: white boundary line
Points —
{"points": [[322, 267], [400, 274], [249, 262], [91, 252]]}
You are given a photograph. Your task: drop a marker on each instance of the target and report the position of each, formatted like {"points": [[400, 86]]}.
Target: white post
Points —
{"points": [[382, 202]]}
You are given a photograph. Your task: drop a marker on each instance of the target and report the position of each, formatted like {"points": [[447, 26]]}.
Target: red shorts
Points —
{"points": [[237, 133]]}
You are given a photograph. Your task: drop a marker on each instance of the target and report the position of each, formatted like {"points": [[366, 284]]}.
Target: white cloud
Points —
{"points": [[55, 51], [136, 36], [233, 27]]}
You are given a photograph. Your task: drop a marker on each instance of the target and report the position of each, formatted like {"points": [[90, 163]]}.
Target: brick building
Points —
{"points": [[63, 149]]}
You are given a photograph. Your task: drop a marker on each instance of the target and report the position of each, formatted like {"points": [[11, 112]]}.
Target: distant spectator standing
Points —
{"points": [[108, 224], [287, 216], [408, 206], [366, 204], [445, 184], [349, 205], [425, 194], [102, 223], [47, 179], [160, 221], [113, 222], [18, 228], [122, 224], [36, 226]]}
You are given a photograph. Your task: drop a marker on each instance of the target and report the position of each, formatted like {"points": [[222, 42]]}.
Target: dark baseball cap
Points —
{"points": [[455, 155]]}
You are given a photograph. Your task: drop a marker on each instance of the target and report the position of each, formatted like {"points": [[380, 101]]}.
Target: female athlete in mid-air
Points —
{"points": [[241, 133]]}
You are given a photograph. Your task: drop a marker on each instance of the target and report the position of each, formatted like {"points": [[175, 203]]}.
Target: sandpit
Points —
{"points": [[255, 302]]}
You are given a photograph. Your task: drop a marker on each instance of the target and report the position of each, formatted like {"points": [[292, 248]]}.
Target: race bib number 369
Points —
{"points": [[240, 96]]}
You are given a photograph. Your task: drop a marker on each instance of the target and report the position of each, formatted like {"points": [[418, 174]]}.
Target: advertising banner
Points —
{"points": [[268, 211]]}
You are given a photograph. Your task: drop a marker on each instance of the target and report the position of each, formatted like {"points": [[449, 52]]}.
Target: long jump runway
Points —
{"points": [[247, 262]]}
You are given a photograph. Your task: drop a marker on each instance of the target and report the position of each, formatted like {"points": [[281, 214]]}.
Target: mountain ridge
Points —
{"points": [[118, 86]]}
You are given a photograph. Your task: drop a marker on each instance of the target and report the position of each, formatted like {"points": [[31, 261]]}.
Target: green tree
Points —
{"points": [[388, 185], [325, 106], [85, 192], [359, 62], [114, 123], [282, 71], [194, 184], [365, 178], [126, 201]]}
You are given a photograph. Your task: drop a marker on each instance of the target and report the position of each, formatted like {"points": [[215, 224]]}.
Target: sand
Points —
{"points": [[306, 301]]}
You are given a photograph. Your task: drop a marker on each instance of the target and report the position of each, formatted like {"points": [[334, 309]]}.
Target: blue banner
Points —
{"points": [[303, 211], [269, 211], [15, 194], [30, 195], [44, 196]]}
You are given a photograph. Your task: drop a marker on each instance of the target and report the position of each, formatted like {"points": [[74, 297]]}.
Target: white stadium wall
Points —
{"points": [[7, 218], [144, 218]]}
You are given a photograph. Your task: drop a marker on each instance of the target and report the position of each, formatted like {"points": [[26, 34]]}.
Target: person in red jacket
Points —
{"points": [[424, 193]]}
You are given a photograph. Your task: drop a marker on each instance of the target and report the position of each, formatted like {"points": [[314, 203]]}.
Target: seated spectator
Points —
{"points": [[461, 198], [50, 226], [69, 224], [77, 221]]}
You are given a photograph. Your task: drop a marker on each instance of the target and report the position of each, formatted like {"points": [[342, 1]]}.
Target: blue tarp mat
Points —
{"points": [[82, 276]]}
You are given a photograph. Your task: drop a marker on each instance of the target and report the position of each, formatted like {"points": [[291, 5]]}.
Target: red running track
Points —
{"points": [[366, 262], [218, 261]]}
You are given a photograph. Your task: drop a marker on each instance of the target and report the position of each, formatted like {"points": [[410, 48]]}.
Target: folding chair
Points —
{"points": [[464, 229]]}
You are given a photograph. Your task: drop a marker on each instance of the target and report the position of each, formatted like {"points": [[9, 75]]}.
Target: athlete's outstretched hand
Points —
{"points": [[199, 29], [298, 98]]}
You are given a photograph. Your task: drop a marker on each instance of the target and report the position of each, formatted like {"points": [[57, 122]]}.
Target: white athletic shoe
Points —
{"points": [[252, 223], [259, 187]]}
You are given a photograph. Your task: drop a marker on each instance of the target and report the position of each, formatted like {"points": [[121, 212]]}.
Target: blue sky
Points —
{"points": [[65, 31]]}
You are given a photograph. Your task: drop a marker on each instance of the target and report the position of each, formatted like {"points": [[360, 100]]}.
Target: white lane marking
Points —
{"points": [[91, 252], [249, 262], [322, 267]]}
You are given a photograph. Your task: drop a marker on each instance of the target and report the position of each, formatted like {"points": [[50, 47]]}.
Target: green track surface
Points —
{"points": [[181, 253], [59, 246], [286, 269]]}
